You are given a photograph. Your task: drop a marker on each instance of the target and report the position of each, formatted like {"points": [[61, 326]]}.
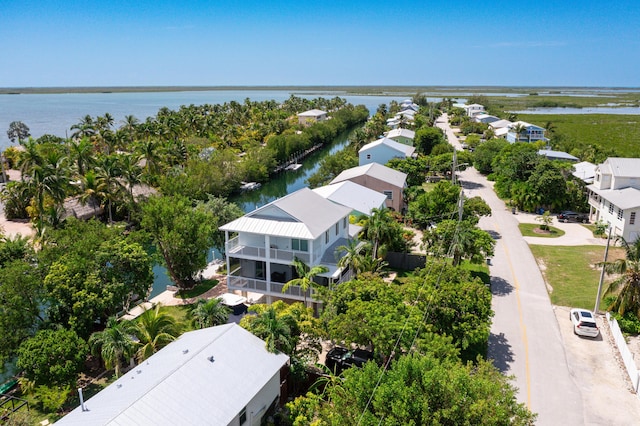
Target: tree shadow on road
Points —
{"points": [[499, 352], [470, 185], [494, 234], [500, 286]]}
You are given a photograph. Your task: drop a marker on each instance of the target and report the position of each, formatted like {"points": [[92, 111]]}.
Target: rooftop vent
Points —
{"points": [[211, 359], [185, 351]]}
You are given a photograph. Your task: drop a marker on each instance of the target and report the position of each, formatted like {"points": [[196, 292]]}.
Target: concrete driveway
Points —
{"points": [[575, 234]]}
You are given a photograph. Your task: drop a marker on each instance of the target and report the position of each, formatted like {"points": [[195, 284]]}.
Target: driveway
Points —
{"points": [[574, 233]]}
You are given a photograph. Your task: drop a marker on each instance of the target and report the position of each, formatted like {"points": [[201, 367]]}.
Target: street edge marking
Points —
{"points": [[522, 326]]}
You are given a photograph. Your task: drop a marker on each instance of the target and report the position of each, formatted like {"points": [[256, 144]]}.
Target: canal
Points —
{"points": [[278, 186]]}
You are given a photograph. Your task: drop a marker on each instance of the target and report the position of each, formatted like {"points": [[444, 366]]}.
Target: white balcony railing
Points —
{"points": [[264, 287], [234, 248]]}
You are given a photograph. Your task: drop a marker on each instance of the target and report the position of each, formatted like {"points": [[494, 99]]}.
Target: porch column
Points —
{"points": [[267, 240]]}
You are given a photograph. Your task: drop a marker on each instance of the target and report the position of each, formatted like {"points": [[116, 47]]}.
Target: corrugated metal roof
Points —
{"points": [[407, 150], [585, 171], [557, 155], [308, 215], [352, 195], [375, 170], [180, 385], [624, 167], [500, 124]]}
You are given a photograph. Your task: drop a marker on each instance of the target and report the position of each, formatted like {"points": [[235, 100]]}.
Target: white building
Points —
{"points": [[312, 116], [404, 136], [383, 150], [473, 109], [614, 196], [215, 376], [360, 199], [261, 245]]}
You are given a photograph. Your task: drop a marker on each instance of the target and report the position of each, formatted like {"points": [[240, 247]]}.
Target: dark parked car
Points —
{"points": [[339, 359], [573, 217]]}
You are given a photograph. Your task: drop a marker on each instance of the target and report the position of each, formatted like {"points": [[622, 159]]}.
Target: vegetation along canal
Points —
{"points": [[278, 186]]}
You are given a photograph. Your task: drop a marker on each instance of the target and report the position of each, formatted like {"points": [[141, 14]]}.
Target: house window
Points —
{"points": [[337, 227], [243, 416], [344, 223], [389, 194], [261, 267], [368, 156], [610, 208], [326, 237], [632, 218], [620, 211], [299, 245]]}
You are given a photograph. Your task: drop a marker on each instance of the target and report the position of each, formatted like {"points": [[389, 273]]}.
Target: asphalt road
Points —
{"points": [[525, 340]]}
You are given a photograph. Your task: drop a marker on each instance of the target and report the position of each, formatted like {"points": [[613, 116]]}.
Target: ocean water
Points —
{"points": [[56, 113]]}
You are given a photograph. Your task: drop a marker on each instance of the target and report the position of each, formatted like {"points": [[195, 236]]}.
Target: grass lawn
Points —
{"points": [[621, 133], [570, 272], [528, 230], [200, 288], [180, 314], [480, 270]]}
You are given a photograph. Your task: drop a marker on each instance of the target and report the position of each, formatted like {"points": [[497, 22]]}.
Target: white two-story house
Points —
{"points": [[614, 196], [261, 245], [528, 132]]}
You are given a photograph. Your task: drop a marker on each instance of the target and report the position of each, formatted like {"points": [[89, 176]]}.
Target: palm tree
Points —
{"points": [[305, 276], [81, 151], [275, 330], [627, 286], [114, 344], [209, 313], [129, 125], [109, 171], [29, 158], [378, 229], [352, 255], [519, 129], [154, 330], [93, 190], [85, 128]]}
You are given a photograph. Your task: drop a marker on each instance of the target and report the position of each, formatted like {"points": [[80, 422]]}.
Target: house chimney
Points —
{"points": [[81, 399]]}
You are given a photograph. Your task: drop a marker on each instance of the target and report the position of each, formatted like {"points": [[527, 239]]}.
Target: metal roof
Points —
{"points": [[401, 132], [375, 170], [303, 214], [627, 198], [623, 167], [205, 377], [352, 195], [500, 124], [312, 113], [585, 171], [558, 155], [407, 150]]}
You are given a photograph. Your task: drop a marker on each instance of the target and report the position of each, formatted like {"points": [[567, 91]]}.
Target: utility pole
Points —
{"points": [[606, 253], [460, 205], [454, 167]]}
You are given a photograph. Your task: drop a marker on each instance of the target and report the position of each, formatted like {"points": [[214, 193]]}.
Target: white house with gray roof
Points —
{"points": [[360, 199], [614, 196], [383, 150], [215, 376], [380, 178], [312, 116], [261, 245]]}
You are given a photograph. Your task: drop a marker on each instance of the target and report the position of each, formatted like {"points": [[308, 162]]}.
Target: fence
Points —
{"points": [[625, 353], [407, 261]]}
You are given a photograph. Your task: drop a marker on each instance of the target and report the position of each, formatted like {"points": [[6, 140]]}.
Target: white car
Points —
{"points": [[584, 323]]}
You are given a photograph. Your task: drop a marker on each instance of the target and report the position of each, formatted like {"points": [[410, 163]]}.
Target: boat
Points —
{"points": [[249, 186], [294, 166]]}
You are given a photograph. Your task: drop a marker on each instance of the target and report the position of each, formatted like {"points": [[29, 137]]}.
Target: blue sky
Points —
{"points": [[419, 42]]}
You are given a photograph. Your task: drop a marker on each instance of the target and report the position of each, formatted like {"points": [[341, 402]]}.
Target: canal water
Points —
{"points": [[278, 186]]}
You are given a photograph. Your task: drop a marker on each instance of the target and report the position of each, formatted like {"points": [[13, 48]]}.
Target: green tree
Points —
{"points": [[459, 240], [114, 344], [183, 235], [426, 138], [154, 330], [418, 390], [18, 131], [223, 212], [305, 276], [486, 152], [52, 357], [209, 313], [625, 288], [276, 330], [21, 293], [548, 182], [380, 230], [352, 255]]}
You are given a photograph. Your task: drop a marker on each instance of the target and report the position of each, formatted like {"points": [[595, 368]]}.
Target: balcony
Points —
{"points": [[264, 287], [235, 249]]}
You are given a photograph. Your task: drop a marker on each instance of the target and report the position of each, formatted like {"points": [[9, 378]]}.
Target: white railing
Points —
{"points": [[233, 247], [625, 353], [261, 286]]}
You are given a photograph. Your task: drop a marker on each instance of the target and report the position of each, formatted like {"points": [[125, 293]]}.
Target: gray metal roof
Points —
{"points": [[623, 167], [407, 150], [559, 155], [401, 132], [627, 198], [182, 385], [500, 124], [585, 171], [374, 170], [301, 214], [312, 113], [352, 195]]}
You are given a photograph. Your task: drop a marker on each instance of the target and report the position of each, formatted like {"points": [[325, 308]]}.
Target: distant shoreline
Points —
{"points": [[352, 90]]}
